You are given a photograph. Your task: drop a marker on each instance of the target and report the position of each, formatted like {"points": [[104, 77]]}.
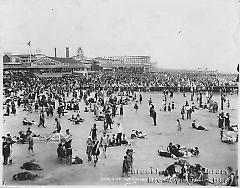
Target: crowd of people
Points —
{"points": [[112, 90], [127, 78], [176, 152]]}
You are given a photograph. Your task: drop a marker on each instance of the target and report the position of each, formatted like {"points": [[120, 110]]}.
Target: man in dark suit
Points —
{"points": [[6, 151], [154, 116]]}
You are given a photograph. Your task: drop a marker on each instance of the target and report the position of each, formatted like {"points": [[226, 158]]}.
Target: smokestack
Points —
{"points": [[67, 52], [55, 52]]}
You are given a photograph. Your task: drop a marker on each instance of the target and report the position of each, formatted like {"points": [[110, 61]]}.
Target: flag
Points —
{"points": [[29, 43], [238, 68]]}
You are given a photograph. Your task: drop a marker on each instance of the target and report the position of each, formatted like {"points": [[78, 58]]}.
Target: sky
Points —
{"points": [[177, 34]]}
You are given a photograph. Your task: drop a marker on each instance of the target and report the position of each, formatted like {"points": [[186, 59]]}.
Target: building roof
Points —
{"points": [[130, 56], [15, 66], [58, 62], [117, 65], [24, 56], [65, 60], [12, 63], [87, 61], [20, 55]]}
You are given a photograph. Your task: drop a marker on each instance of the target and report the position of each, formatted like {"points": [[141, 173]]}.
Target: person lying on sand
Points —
{"points": [[77, 160], [182, 152], [23, 176], [194, 151], [31, 166], [201, 128], [72, 118], [26, 122], [137, 134], [100, 117], [166, 154], [78, 119], [233, 128]]}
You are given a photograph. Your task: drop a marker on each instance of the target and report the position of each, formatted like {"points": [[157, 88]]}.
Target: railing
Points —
{"points": [[215, 89]]}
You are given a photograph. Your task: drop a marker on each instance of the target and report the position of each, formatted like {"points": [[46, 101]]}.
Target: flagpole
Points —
{"points": [[30, 57], [30, 54], [29, 44]]}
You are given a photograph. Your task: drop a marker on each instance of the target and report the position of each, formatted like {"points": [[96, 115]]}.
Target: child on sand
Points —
{"points": [[179, 127]]}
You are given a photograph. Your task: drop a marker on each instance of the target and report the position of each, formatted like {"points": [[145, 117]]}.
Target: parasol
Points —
{"points": [[56, 138]]}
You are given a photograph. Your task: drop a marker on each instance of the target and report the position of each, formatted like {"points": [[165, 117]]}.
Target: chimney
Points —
{"points": [[55, 52], [67, 52]]}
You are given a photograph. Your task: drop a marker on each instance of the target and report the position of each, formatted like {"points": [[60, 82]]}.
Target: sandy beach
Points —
{"points": [[214, 154]]}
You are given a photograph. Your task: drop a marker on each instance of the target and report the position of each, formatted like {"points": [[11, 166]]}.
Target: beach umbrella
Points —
{"points": [[56, 138]]}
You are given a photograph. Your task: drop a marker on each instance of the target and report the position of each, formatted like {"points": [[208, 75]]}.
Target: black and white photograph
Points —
{"points": [[119, 92]]}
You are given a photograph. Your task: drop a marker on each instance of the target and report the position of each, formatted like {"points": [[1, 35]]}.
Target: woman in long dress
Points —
{"points": [[104, 143], [89, 149], [95, 151]]}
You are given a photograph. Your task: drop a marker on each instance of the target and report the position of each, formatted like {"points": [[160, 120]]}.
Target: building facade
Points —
{"points": [[50, 67], [21, 58], [134, 61], [145, 60]]}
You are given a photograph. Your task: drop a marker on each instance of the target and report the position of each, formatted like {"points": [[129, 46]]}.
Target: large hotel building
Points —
{"points": [[136, 60]]}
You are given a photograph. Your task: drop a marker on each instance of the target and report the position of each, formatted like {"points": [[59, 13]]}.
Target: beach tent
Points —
{"points": [[230, 136]]}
